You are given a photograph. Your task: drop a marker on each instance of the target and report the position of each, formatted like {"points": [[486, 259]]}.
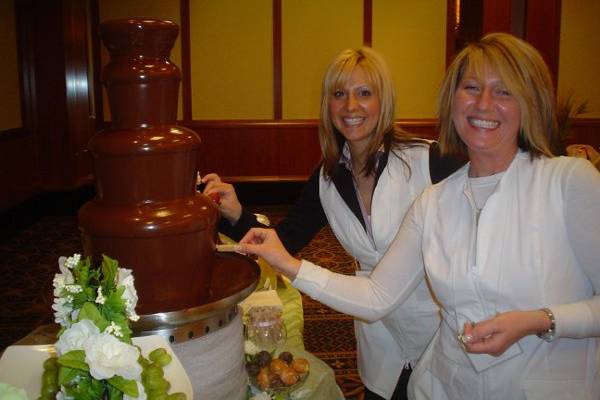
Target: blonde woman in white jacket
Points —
{"points": [[510, 244], [370, 174]]}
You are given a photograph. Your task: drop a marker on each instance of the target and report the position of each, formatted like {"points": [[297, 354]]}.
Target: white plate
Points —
{"points": [[21, 366]]}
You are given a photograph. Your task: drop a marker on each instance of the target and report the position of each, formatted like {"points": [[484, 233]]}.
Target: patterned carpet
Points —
{"points": [[328, 334], [28, 261]]}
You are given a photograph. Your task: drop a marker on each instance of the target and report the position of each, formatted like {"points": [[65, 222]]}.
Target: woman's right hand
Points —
{"points": [[266, 244], [229, 205]]}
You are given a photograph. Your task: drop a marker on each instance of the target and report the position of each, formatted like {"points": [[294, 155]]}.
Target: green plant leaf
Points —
{"points": [[67, 374], [82, 272], [79, 299], [114, 306], [74, 359], [109, 271], [127, 386], [86, 389], [114, 393], [91, 312]]}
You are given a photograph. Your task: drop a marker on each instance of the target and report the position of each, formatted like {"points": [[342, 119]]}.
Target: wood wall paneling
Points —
{"points": [[19, 168], [50, 91], [258, 150], [368, 23], [265, 151], [19, 148], [80, 124], [10, 105], [496, 16], [585, 131], [53, 53], [96, 61], [186, 63], [542, 30]]}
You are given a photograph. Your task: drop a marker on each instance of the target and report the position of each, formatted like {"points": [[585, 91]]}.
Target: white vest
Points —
{"points": [[522, 261], [381, 355]]}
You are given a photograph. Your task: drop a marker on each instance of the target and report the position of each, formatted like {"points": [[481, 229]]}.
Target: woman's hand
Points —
{"points": [[495, 335], [224, 196], [266, 243]]}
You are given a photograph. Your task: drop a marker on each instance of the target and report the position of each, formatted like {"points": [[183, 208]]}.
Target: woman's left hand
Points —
{"points": [[495, 335]]}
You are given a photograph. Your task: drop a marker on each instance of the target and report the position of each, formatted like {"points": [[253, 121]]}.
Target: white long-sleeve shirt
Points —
{"points": [[537, 244]]}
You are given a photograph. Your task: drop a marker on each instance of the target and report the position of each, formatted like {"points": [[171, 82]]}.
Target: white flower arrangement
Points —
{"points": [[95, 356]]}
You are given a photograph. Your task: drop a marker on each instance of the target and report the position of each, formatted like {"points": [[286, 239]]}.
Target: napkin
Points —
{"points": [[263, 298]]}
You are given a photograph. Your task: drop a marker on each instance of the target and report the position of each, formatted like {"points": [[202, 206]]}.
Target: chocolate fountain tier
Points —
{"points": [[169, 245], [147, 213], [234, 277]]}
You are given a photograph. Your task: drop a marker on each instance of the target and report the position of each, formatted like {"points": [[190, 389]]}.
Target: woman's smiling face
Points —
{"points": [[486, 115], [354, 109]]}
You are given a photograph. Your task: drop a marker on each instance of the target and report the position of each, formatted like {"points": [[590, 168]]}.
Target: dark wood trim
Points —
{"points": [[542, 30], [451, 31], [421, 123], [277, 62], [270, 151], [247, 123], [585, 131], [285, 151], [97, 64], [586, 122], [26, 57], [496, 16], [186, 62], [77, 96], [10, 134], [265, 178], [368, 23]]}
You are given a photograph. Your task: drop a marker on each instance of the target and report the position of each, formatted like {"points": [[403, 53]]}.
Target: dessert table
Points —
{"points": [[320, 383], [196, 356]]}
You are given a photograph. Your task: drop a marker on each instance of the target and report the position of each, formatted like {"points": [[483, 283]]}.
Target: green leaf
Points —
{"points": [[67, 374], [74, 359], [82, 272], [127, 386], [114, 306], [91, 312], [86, 389], [109, 271], [114, 393], [79, 299]]}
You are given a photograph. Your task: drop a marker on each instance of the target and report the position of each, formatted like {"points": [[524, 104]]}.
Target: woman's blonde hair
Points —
{"points": [[378, 77], [525, 75]]}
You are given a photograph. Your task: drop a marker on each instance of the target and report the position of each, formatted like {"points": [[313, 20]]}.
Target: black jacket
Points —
{"points": [[306, 218]]}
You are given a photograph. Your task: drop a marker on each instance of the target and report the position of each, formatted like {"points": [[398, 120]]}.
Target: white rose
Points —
{"points": [[75, 337], [141, 393], [107, 356], [125, 279]]}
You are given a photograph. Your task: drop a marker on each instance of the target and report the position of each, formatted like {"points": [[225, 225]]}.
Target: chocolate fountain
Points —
{"points": [[147, 213]]}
